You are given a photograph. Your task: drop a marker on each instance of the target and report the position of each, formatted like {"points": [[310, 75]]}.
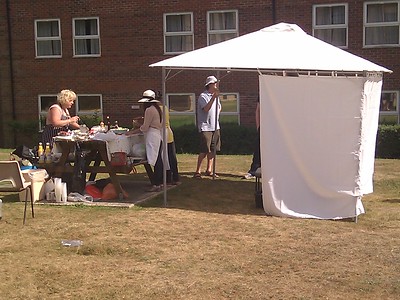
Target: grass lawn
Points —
{"points": [[210, 242]]}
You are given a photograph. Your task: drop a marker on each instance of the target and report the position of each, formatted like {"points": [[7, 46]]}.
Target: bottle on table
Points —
{"points": [[47, 154], [41, 153]]}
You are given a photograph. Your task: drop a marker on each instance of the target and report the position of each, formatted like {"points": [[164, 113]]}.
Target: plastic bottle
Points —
{"points": [[1, 209], [41, 153], [47, 153], [102, 126], [71, 243]]}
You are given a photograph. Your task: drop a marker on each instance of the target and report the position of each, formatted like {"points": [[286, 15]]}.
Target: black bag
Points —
{"points": [[25, 153]]}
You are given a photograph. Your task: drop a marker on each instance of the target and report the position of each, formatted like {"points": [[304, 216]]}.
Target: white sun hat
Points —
{"points": [[148, 96]]}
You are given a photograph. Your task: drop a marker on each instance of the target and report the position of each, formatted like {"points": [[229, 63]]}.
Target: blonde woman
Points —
{"points": [[58, 117]]}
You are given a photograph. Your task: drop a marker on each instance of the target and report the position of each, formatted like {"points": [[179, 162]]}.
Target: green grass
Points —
{"points": [[210, 242]]}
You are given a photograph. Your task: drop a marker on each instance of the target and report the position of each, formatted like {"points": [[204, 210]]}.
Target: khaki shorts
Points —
{"points": [[209, 140]]}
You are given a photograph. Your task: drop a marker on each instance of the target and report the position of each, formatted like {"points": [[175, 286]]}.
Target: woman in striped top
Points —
{"points": [[58, 117]]}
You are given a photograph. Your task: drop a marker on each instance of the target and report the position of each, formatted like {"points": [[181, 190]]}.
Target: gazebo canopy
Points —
{"points": [[279, 47]]}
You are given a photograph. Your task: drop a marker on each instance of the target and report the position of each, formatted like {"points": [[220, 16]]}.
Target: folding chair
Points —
{"points": [[11, 172]]}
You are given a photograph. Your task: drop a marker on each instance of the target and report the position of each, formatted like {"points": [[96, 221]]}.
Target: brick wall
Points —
{"points": [[131, 34]]}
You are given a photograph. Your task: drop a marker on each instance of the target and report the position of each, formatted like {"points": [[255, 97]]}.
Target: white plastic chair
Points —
{"points": [[11, 172]]}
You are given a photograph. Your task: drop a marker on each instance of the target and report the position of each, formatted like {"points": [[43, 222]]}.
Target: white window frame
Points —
{"points": [[48, 38], [182, 113], [228, 31], [177, 33], [382, 24], [86, 37], [332, 26], [194, 102], [82, 112]]}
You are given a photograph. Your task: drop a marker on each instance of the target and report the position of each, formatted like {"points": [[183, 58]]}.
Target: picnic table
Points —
{"points": [[96, 159]]}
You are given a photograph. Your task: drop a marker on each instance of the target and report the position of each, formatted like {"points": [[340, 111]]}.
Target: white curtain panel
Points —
{"points": [[317, 144]]}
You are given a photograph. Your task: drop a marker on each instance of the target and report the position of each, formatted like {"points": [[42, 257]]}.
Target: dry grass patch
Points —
{"points": [[210, 242]]}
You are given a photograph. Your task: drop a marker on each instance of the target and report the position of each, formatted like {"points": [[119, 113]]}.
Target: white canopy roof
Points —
{"points": [[279, 47]]}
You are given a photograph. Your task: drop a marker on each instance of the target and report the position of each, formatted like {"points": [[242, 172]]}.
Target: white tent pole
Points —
{"points": [[164, 137]]}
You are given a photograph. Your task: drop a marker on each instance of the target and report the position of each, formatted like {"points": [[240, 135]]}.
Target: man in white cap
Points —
{"points": [[208, 110]]}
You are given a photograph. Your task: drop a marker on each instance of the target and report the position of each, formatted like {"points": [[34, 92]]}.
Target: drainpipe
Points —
{"points": [[273, 11], [11, 66]]}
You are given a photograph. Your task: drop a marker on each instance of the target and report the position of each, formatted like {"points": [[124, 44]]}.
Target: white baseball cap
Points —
{"points": [[211, 79]]}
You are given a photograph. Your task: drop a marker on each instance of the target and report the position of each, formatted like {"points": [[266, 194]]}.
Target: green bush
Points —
{"points": [[388, 141], [26, 132], [235, 139], [240, 140]]}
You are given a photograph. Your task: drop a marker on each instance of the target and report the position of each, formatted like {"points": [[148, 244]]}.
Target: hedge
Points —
{"points": [[240, 140], [388, 141]]}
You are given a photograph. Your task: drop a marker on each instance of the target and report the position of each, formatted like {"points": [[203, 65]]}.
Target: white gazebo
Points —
{"points": [[319, 117]]}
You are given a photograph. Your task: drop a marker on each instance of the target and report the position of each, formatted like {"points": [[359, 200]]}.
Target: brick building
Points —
{"points": [[102, 49]]}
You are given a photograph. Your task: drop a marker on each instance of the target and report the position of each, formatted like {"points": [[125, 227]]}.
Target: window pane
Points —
{"points": [[326, 15], [87, 46], [380, 13], [180, 103], [47, 29], [336, 36], [180, 120], [388, 119], [178, 23], [388, 102], [223, 21], [86, 27], [46, 102], [229, 103], [178, 43], [217, 38], [229, 119], [89, 104], [382, 35], [46, 48]]}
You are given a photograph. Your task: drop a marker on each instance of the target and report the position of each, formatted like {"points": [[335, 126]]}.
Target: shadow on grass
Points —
{"points": [[392, 200], [228, 194]]}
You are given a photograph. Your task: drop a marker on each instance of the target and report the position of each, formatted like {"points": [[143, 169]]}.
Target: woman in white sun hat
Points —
{"points": [[152, 125]]}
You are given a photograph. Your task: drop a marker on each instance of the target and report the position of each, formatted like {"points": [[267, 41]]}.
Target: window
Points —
{"points": [[222, 26], [330, 24], [86, 37], [48, 38], [389, 107], [85, 106], [45, 101], [182, 109], [381, 24], [230, 108], [178, 33]]}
